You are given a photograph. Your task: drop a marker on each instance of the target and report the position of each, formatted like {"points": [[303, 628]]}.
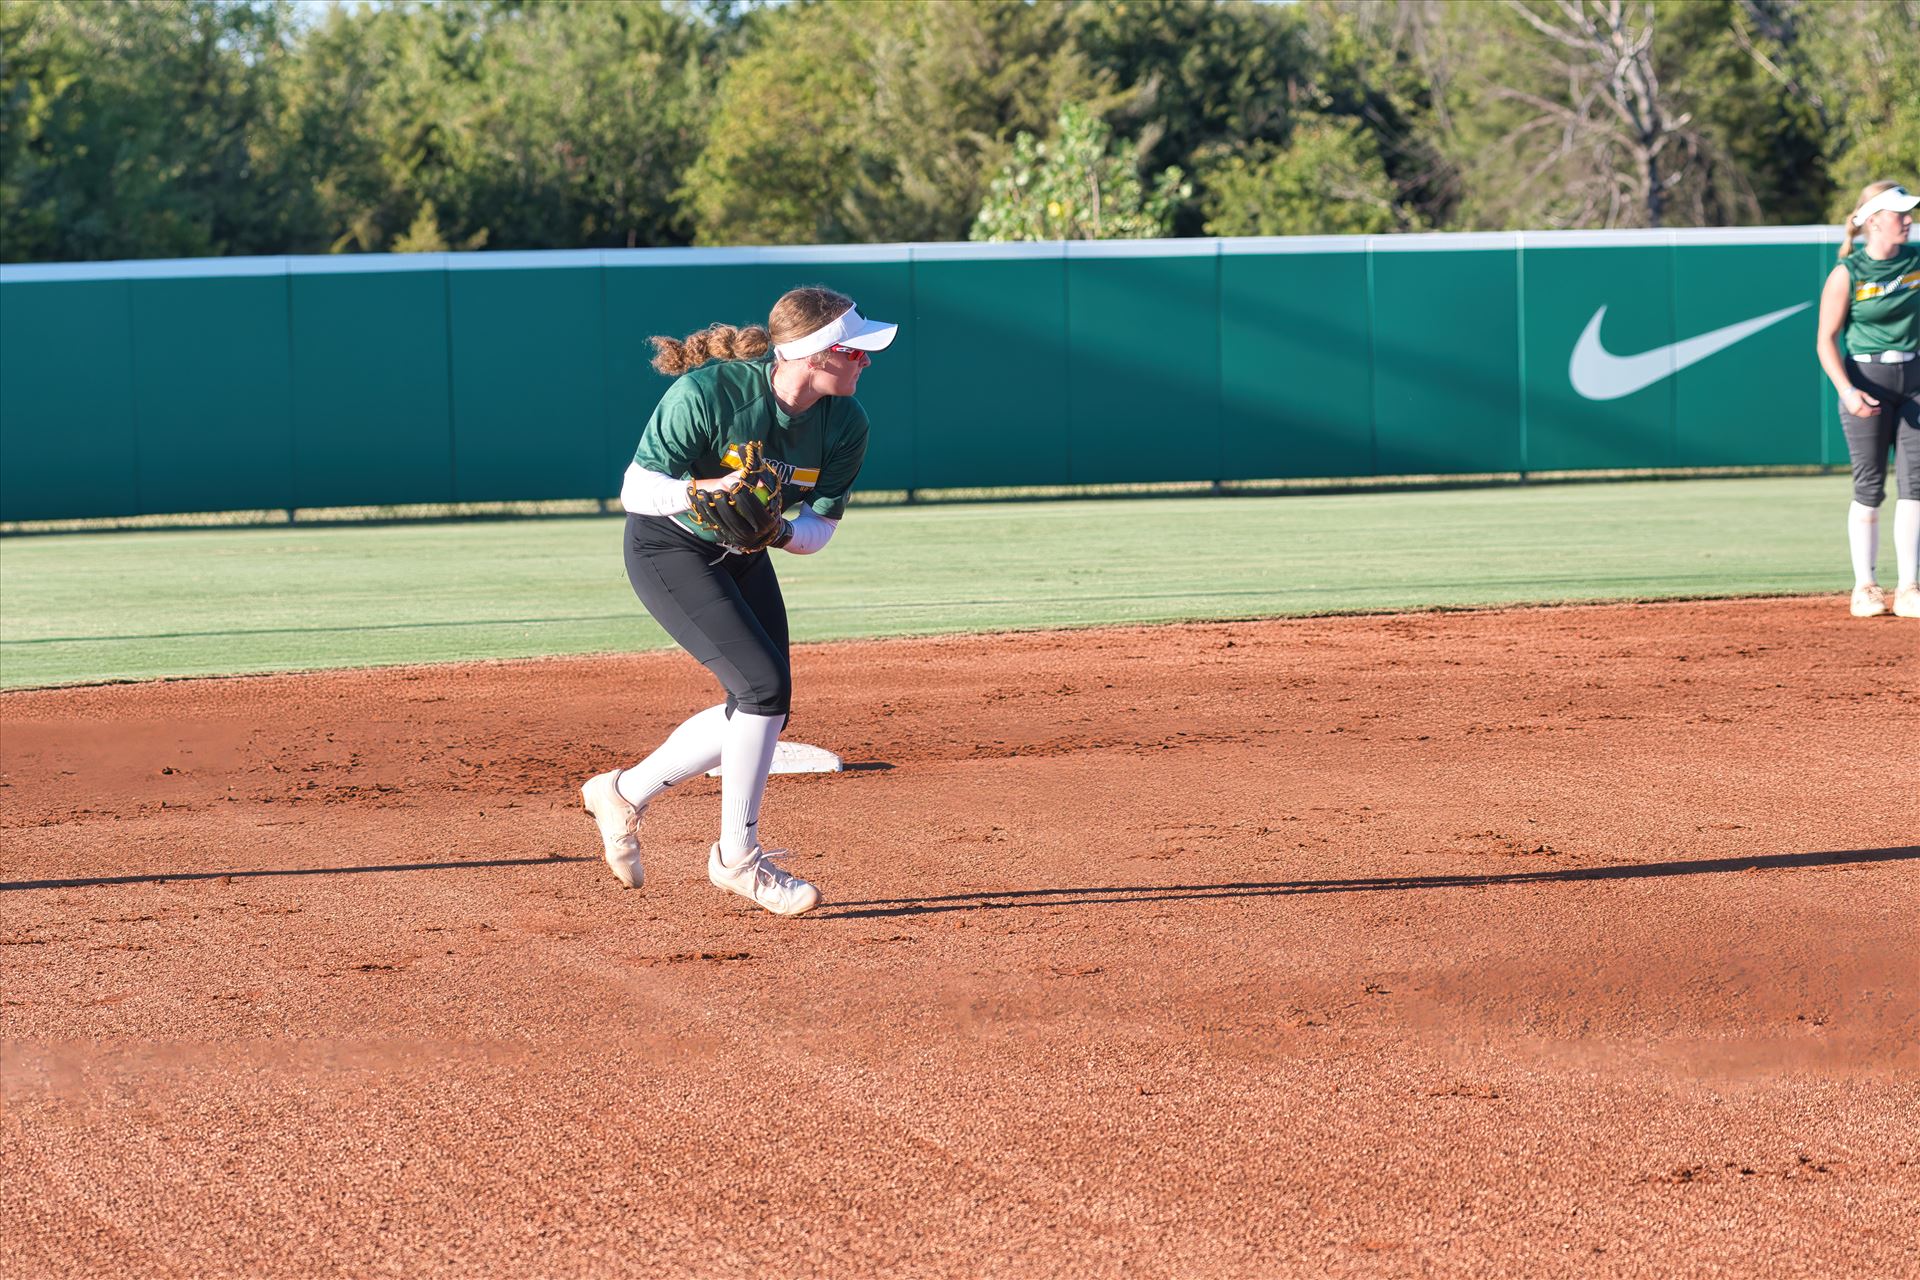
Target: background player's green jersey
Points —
{"points": [[710, 412], [1883, 311]]}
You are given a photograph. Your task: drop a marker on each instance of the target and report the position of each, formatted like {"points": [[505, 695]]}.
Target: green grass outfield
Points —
{"points": [[133, 605]]}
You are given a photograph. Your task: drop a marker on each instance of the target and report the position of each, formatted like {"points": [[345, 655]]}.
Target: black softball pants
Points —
{"points": [[1895, 427], [725, 610]]}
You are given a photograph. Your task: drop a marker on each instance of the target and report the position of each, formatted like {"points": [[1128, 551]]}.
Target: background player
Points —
{"points": [[722, 604], [1873, 297]]}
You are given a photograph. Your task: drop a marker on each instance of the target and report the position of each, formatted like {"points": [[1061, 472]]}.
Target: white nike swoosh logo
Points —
{"points": [[1598, 374]]}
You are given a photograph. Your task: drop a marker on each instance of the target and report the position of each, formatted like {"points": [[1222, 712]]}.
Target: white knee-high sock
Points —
{"points": [[746, 753], [1863, 539], [689, 751], [1906, 539]]}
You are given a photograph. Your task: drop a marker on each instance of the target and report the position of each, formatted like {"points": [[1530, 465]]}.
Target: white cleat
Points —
{"points": [[759, 879], [1869, 601], [1906, 604], [619, 824]]}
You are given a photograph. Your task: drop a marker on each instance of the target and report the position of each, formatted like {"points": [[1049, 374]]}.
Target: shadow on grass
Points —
{"points": [[1090, 896]]}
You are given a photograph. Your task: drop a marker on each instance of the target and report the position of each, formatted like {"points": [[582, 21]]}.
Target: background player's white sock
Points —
{"points": [[1863, 538], [689, 751], [1906, 538], [746, 753]]}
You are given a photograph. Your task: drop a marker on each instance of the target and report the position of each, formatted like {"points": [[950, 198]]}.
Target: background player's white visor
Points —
{"points": [[848, 329], [1894, 198]]}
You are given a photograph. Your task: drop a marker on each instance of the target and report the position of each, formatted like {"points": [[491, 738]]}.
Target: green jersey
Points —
{"points": [[1883, 311], [710, 412]]}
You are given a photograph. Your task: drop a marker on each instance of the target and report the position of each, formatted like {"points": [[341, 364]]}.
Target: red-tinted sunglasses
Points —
{"points": [[851, 353]]}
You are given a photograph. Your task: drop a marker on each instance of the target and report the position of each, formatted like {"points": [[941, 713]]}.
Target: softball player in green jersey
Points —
{"points": [[788, 387], [1872, 300]]}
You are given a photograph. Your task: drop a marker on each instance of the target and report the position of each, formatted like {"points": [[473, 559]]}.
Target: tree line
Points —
{"points": [[175, 128]]}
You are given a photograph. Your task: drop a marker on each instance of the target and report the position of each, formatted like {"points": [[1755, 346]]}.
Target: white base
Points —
{"points": [[798, 757]]}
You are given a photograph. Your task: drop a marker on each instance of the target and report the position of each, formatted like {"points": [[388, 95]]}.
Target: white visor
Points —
{"points": [[1894, 198], [848, 329]]}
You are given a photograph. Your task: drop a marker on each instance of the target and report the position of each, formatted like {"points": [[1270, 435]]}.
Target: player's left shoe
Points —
{"points": [[1869, 601], [758, 878], [619, 824], [1906, 602]]}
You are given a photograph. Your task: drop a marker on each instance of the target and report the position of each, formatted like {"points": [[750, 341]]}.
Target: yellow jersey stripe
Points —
{"points": [[1909, 281], [805, 477]]}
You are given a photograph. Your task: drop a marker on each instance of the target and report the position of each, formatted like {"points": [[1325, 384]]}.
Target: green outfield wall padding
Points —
{"points": [[1446, 361], [528, 383], [1143, 369], [159, 387], [989, 369], [372, 411], [1296, 377], [67, 441], [213, 394], [1734, 408]]}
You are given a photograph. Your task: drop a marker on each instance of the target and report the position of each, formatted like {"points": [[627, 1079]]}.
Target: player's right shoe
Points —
{"points": [[1906, 602], [619, 824], [759, 879], [1869, 601]]}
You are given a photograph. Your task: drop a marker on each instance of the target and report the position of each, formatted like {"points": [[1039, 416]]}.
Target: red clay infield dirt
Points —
{"points": [[1551, 942]]}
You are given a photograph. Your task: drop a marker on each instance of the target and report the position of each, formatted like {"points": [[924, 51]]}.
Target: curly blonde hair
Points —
{"points": [[798, 313]]}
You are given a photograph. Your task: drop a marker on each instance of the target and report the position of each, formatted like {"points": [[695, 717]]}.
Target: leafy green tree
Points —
{"points": [[143, 129], [952, 84], [1853, 68], [1605, 113], [381, 104], [1762, 160], [1077, 185], [1328, 180], [863, 122], [1375, 67], [540, 126], [1199, 75], [783, 141]]}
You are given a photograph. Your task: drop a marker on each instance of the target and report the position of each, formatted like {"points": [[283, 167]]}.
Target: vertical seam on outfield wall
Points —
{"points": [[913, 383], [1066, 333], [1823, 393], [1219, 432], [293, 427], [1373, 364], [453, 408], [1672, 392], [133, 392], [606, 376], [1520, 343]]}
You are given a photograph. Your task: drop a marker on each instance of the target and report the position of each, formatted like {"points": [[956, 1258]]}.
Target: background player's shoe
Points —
{"points": [[619, 824], [1869, 601], [1906, 603], [778, 890]]}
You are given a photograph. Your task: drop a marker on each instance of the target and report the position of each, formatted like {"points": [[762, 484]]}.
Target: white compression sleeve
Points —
{"points": [[648, 493], [1863, 540], [689, 751], [1906, 538], [746, 753], [810, 532]]}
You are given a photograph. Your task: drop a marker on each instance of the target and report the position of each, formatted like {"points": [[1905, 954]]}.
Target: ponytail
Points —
{"points": [[674, 356]]}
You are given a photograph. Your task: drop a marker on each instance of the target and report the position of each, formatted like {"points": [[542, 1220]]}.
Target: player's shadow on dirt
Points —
{"points": [[155, 877], [1091, 896]]}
